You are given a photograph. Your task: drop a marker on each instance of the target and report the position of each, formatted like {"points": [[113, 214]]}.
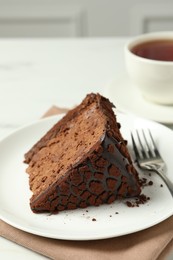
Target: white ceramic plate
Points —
{"points": [[78, 224], [129, 99]]}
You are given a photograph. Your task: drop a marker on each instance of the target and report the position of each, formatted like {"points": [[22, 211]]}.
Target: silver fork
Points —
{"points": [[148, 156]]}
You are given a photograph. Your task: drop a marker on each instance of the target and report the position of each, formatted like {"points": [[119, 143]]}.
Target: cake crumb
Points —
{"points": [[142, 199], [129, 204], [150, 183], [93, 219]]}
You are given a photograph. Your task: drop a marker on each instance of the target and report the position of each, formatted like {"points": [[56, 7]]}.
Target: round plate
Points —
{"points": [[81, 224]]}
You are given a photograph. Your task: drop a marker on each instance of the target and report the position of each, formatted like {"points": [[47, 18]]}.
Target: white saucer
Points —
{"points": [[128, 98]]}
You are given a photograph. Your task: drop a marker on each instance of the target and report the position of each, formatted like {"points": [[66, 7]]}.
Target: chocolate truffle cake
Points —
{"points": [[82, 161]]}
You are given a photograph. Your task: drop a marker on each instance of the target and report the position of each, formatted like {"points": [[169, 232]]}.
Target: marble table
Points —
{"points": [[38, 73]]}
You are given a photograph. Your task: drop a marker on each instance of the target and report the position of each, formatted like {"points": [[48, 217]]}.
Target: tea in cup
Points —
{"points": [[149, 62]]}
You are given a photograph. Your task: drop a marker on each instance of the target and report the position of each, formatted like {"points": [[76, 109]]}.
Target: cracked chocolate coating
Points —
{"points": [[106, 175]]}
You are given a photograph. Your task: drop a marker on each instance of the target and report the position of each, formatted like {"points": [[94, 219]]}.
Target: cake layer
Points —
{"points": [[83, 160]]}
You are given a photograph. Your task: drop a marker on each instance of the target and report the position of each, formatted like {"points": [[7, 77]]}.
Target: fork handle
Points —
{"points": [[166, 180]]}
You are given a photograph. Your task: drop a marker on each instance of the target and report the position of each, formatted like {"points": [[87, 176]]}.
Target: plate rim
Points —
{"points": [[71, 237]]}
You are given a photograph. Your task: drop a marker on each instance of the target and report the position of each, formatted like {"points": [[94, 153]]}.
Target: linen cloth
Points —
{"points": [[150, 244]]}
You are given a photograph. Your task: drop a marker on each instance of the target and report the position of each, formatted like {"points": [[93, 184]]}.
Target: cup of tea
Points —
{"points": [[149, 63]]}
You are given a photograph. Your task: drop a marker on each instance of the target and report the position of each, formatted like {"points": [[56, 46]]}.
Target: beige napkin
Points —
{"points": [[150, 244]]}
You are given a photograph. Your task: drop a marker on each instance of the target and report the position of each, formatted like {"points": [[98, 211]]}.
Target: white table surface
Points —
{"points": [[38, 73]]}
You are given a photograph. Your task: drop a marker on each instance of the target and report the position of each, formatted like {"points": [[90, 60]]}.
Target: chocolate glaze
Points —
{"points": [[104, 176]]}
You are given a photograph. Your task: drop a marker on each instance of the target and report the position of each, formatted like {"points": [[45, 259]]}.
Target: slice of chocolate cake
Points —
{"points": [[83, 160]]}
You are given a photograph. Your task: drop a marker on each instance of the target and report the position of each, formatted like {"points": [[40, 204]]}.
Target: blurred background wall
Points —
{"points": [[83, 18]]}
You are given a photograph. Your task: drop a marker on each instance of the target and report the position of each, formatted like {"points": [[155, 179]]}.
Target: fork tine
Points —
{"points": [[154, 145], [143, 150], [138, 156], [147, 144]]}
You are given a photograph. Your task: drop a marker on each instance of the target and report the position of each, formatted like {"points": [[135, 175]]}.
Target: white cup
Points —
{"points": [[154, 78]]}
